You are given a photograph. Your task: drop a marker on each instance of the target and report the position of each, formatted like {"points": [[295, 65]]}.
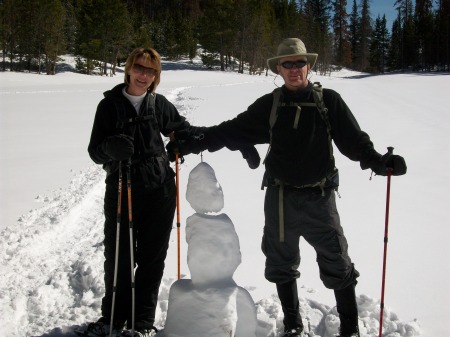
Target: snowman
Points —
{"points": [[210, 303]]}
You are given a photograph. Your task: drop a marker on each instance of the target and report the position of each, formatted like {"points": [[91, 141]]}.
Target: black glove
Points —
{"points": [[193, 132], [172, 148], [183, 147], [186, 141], [252, 156], [119, 147], [389, 161]]}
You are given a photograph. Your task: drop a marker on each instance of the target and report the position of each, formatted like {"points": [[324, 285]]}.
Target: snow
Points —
{"points": [[51, 198]]}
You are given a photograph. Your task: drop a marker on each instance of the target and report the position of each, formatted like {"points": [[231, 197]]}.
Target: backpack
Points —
{"points": [[158, 171], [318, 102], [149, 104], [331, 180]]}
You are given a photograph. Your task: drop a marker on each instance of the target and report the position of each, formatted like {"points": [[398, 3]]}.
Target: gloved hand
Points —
{"points": [[185, 142], [251, 155], [119, 147], [195, 132], [183, 147], [389, 161], [173, 147]]}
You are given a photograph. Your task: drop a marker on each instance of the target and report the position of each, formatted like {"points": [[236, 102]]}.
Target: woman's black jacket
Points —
{"points": [[116, 115]]}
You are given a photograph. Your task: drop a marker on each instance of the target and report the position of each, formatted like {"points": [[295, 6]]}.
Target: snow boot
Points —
{"points": [[348, 311], [288, 294]]}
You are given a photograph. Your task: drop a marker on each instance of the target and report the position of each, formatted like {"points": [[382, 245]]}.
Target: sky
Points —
{"points": [[52, 198], [378, 7]]}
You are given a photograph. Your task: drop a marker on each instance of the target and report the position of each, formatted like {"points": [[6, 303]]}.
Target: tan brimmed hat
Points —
{"points": [[291, 47]]}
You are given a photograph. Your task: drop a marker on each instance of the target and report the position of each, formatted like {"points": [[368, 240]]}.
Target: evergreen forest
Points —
{"points": [[236, 35]]}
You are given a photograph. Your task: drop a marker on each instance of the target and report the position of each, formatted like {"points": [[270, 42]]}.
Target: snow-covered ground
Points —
{"points": [[51, 198]]}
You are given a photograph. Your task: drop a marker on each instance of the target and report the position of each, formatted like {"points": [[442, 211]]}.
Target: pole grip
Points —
{"points": [[389, 155]]}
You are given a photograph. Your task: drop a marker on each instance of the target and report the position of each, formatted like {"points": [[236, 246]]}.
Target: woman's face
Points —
{"points": [[142, 74]]}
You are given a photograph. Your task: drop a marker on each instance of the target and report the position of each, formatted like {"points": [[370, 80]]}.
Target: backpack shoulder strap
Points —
{"points": [[323, 110], [273, 115], [151, 108], [318, 99], [148, 104], [274, 112]]}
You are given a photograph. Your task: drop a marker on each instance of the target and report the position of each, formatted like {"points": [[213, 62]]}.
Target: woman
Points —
{"points": [[127, 131]]}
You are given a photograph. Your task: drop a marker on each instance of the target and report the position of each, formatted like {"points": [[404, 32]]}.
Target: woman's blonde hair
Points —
{"points": [[147, 55]]}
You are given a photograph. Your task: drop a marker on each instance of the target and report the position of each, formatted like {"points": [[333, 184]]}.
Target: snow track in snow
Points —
{"points": [[54, 255]]}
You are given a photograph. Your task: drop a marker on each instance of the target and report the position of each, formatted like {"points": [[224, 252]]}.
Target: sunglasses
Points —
{"points": [[291, 64], [141, 69]]}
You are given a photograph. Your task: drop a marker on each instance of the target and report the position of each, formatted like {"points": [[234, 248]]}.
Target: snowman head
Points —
{"points": [[204, 192]]}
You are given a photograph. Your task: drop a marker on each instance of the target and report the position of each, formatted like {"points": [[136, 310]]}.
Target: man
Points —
{"points": [[300, 178]]}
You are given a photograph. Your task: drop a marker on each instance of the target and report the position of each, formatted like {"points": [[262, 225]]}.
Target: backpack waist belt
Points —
{"points": [[281, 185], [155, 159]]}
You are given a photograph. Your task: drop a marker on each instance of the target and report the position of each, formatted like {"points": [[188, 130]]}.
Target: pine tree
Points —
{"points": [[70, 26], [28, 37], [354, 28], [409, 47], [34, 32], [395, 50], [104, 30], [424, 26], [365, 33], [443, 35], [217, 28], [286, 15], [8, 30], [379, 46], [318, 37], [260, 42], [53, 17], [342, 46]]}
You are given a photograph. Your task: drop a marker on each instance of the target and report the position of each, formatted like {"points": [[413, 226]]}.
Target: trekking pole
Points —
{"points": [[130, 223], [386, 225], [116, 260], [177, 170]]}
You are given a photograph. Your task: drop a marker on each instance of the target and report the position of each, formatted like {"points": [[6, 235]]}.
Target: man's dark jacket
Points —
{"points": [[298, 156]]}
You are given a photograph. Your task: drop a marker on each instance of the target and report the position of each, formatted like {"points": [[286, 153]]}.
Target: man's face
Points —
{"points": [[294, 71]]}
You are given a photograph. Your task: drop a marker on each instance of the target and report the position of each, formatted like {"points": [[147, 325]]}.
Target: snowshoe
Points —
{"points": [[293, 333], [140, 333], [354, 334], [346, 331], [99, 329]]}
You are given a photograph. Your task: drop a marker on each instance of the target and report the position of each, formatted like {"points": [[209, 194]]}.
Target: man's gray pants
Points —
{"points": [[312, 215]]}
